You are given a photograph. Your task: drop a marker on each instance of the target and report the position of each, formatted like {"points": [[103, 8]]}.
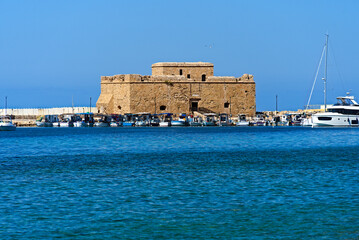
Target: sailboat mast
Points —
{"points": [[5, 106], [325, 73]]}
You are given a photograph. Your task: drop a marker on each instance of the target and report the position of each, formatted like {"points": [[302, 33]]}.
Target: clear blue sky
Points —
{"points": [[53, 50]]}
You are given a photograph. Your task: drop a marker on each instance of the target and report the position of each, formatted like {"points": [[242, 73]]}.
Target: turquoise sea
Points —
{"points": [[179, 183]]}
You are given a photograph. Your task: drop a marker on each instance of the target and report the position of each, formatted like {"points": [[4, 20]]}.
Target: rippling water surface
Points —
{"points": [[179, 183]]}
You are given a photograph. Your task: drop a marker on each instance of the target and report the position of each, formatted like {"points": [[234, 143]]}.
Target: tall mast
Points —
{"points": [[5, 106], [325, 73]]}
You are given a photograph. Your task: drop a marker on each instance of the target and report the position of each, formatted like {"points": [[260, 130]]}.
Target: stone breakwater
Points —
{"points": [[26, 117]]}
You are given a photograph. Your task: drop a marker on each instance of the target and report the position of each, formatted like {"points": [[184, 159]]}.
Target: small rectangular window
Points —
{"points": [[188, 76]]}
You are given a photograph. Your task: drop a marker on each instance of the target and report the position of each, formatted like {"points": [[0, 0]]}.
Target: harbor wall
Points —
{"points": [[46, 111]]}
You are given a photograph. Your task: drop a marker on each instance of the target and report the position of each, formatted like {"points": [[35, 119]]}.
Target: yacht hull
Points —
{"points": [[335, 120]]}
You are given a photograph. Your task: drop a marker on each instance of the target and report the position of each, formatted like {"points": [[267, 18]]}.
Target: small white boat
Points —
{"points": [[181, 122], [154, 121], [46, 120], [142, 119], [307, 122], [80, 124], [242, 121], [166, 120], [5, 121], [67, 120], [209, 119], [6, 124], [114, 123], [102, 120], [224, 120], [195, 121]]}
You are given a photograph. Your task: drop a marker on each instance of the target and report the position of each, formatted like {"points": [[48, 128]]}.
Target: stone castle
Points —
{"points": [[178, 87]]}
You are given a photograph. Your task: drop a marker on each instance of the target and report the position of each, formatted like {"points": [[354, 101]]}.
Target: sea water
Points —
{"points": [[179, 183]]}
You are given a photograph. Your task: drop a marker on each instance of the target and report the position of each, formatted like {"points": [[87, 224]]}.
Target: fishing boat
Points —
{"points": [[83, 120], [154, 121], [181, 122], [116, 120], [67, 120], [6, 121], [44, 121], [143, 120], [195, 121], [79, 122], [242, 121], [102, 120], [166, 120], [128, 120], [209, 119], [224, 120]]}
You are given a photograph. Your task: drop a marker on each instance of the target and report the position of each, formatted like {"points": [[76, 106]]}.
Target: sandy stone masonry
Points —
{"points": [[178, 87]]}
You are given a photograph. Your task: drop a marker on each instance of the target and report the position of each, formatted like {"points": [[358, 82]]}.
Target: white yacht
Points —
{"points": [[6, 124], [343, 114]]}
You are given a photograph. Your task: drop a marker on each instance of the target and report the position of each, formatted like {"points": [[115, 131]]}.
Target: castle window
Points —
{"points": [[163, 107], [181, 72], [226, 105], [119, 107], [203, 77], [188, 76]]}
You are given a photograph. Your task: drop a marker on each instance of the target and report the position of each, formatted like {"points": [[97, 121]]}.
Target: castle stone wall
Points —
{"points": [[160, 93]]}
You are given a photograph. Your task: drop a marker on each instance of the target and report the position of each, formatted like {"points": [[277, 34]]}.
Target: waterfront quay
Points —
{"points": [[90, 116], [26, 117]]}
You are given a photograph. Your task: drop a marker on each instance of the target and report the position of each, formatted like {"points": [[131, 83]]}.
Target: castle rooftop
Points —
{"points": [[182, 64]]}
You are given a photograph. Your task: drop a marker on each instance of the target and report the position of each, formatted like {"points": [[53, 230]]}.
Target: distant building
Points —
{"points": [[178, 87]]}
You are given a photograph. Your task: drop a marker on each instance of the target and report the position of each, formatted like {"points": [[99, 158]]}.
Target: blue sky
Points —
{"points": [[53, 50]]}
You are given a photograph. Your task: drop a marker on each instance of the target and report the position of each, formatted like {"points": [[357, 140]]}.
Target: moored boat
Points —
{"points": [[223, 120], [128, 120], [166, 120], [209, 119], [67, 120], [181, 122], [143, 119], [242, 121], [43, 121], [343, 114], [154, 121], [6, 123], [195, 121], [102, 120], [83, 120]]}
